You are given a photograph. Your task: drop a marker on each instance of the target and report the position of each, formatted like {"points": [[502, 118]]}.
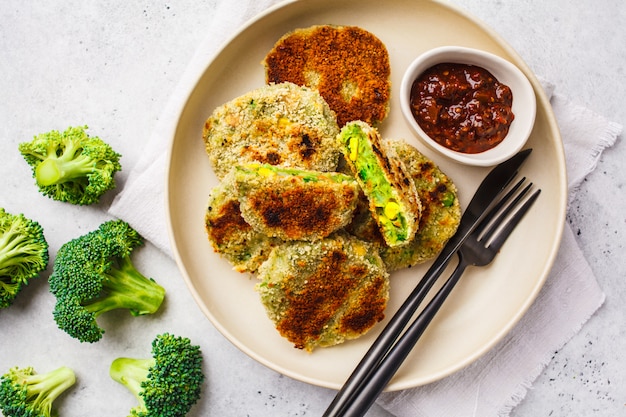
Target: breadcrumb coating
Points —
{"points": [[348, 65], [323, 293], [278, 124]]}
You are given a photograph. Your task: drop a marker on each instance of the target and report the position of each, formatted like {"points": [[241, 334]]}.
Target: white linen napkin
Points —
{"points": [[499, 380], [141, 201], [495, 383]]}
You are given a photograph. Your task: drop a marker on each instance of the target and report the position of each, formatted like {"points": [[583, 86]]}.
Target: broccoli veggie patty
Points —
{"points": [[279, 124], [440, 215], [348, 65], [393, 199], [228, 232], [325, 292], [294, 204]]}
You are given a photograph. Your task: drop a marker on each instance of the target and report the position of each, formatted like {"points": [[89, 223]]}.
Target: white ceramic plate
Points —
{"points": [[488, 301]]}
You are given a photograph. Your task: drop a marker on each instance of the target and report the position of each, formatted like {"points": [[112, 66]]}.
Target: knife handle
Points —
{"points": [[390, 333]]}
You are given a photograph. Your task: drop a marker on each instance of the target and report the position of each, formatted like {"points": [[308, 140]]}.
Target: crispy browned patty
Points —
{"points": [[325, 292], [293, 204], [279, 124], [348, 65], [229, 234], [440, 215]]}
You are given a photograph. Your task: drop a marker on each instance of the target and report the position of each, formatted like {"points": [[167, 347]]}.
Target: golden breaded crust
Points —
{"points": [[228, 232], [348, 65], [295, 204], [325, 292], [441, 213], [279, 124]]}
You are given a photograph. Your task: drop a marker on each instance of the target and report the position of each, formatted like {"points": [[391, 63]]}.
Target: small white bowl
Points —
{"points": [[524, 104]]}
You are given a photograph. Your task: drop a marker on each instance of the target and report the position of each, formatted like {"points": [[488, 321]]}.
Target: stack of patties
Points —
{"points": [[280, 210], [320, 214], [319, 285]]}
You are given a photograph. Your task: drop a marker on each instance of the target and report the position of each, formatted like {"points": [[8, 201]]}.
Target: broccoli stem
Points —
{"points": [[59, 169], [131, 372], [15, 250], [9, 258], [43, 389], [9, 244], [125, 287]]}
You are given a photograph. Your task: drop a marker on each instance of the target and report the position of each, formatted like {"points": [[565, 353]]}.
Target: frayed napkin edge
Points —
{"points": [[526, 385], [606, 139]]}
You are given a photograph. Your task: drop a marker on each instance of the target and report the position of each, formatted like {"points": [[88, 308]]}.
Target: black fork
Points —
{"points": [[479, 249]]}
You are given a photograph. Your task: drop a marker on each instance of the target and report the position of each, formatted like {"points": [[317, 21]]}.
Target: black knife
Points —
{"points": [[489, 189]]}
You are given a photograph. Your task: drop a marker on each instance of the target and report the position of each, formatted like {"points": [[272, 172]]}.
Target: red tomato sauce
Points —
{"points": [[462, 107]]}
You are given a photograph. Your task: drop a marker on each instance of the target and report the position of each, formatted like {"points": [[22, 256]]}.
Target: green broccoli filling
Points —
{"points": [[125, 287], [448, 199], [379, 191], [306, 175]]}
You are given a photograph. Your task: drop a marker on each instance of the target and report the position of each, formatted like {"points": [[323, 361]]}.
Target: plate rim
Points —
{"points": [[542, 100]]}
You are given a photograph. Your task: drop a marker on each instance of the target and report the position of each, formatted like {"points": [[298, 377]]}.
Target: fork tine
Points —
{"points": [[501, 210], [505, 231], [496, 207]]}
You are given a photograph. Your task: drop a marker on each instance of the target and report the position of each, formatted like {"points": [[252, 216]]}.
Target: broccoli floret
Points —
{"points": [[25, 393], [71, 166], [93, 274], [23, 254], [167, 384]]}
